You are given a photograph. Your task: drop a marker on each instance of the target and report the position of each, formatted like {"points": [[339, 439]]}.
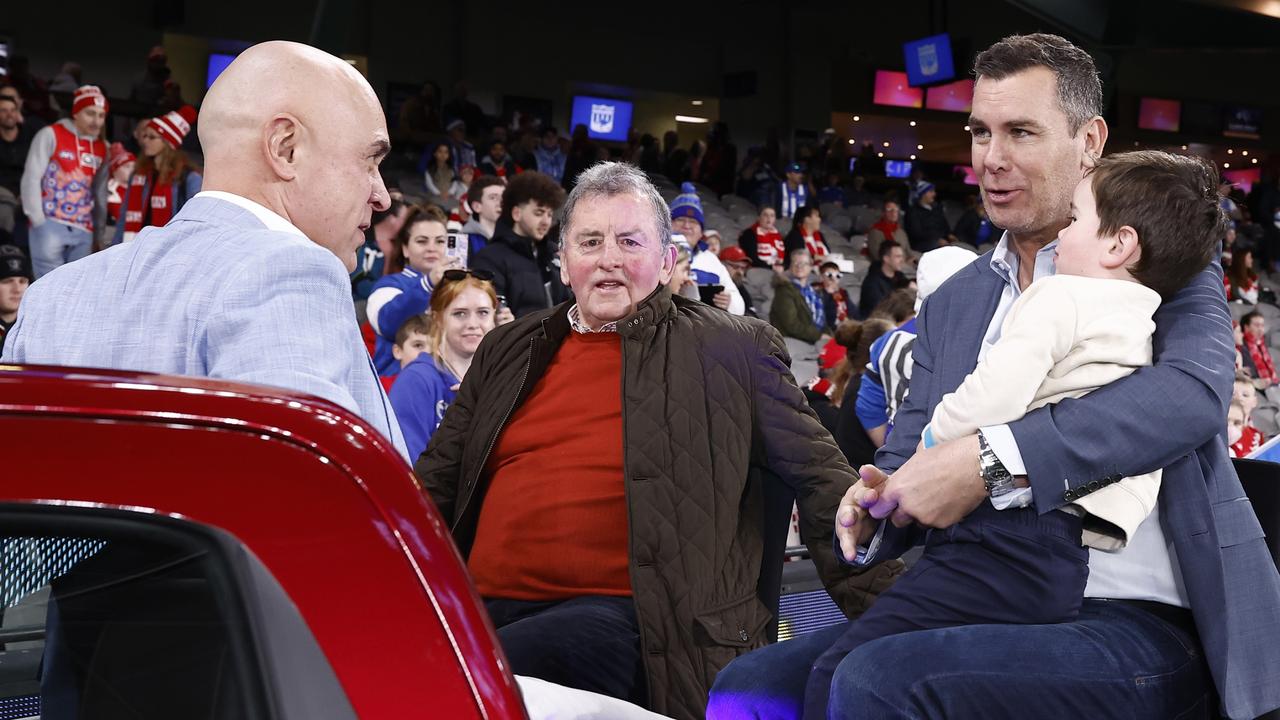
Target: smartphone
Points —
{"points": [[456, 244], [707, 293]]}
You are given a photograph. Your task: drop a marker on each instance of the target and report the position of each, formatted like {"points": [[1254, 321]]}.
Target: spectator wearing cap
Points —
{"points": [[549, 156], [120, 168], [888, 372], [797, 309], [793, 192], [64, 182], [805, 233], [927, 226], [148, 88], [888, 227], [836, 303], [164, 177], [762, 242], [15, 276], [704, 266], [464, 153], [735, 260]]}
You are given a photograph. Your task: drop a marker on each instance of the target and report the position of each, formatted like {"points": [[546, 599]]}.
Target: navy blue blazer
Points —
{"points": [[1172, 416]]}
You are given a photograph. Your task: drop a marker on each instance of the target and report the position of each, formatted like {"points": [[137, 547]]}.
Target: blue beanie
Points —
{"points": [[687, 204]]}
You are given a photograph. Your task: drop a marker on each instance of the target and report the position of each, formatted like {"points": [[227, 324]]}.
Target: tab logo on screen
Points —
{"points": [[928, 56], [602, 118]]}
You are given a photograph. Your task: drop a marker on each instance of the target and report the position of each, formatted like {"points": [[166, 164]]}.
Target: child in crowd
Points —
{"points": [[15, 276], [1143, 225], [1245, 395], [412, 339], [1242, 437]]}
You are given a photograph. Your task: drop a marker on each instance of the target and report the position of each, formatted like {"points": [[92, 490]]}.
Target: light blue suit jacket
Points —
{"points": [[1171, 415], [214, 293]]}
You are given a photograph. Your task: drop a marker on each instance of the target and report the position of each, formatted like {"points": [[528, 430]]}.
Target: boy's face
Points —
{"points": [[1235, 424], [489, 206], [1079, 247], [11, 292], [414, 345], [1245, 394]]}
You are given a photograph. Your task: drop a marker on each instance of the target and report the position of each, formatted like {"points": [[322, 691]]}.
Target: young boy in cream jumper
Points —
{"points": [[1143, 224]]}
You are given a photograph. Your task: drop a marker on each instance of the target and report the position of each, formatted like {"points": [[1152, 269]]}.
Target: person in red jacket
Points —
{"points": [[60, 183], [1255, 341]]}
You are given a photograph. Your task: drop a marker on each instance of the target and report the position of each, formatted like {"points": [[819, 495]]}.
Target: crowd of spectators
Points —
{"points": [[470, 241]]}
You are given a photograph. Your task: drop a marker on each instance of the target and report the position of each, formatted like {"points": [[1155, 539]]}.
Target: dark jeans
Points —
{"points": [[996, 566], [1114, 661], [589, 643]]}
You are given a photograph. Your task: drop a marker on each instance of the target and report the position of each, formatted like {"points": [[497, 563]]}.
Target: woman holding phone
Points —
{"points": [[464, 309], [424, 241]]}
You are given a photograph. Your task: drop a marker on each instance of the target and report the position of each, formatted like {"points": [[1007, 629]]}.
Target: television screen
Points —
{"points": [[1241, 121], [217, 63], [605, 118], [892, 88], [1157, 114], [897, 168], [1243, 179], [929, 60], [954, 96]]}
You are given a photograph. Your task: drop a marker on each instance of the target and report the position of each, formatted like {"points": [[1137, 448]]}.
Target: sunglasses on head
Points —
{"points": [[456, 275]]}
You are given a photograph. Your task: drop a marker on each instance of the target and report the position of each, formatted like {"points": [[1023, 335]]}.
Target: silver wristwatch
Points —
{"points": [[994, 475]]}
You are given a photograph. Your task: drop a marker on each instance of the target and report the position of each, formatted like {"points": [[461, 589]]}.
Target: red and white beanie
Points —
{"points": [[119, 156], [174, 126], [88, 96]]}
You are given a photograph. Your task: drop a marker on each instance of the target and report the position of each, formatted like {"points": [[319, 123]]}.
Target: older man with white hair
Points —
{"points": [[249, 281], [602, 468]]}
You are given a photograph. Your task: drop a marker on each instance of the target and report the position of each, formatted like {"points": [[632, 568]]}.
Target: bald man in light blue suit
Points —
{"points": [[248, 281]]}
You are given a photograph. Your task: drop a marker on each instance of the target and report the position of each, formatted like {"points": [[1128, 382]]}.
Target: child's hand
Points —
{"points": [[853, 527]]}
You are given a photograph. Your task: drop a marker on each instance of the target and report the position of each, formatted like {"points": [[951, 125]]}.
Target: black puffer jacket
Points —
{"points": [[706, 398], [526, 273]]}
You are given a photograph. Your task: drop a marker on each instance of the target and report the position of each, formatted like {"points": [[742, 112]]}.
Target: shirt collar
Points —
{"points": [[1004, 261], [270, 218], [575, 322]]}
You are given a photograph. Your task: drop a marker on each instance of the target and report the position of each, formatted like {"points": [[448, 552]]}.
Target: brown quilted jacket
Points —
{"points": [[705, 396]]}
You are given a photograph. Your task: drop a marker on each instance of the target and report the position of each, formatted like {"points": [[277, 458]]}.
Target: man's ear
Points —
{"points": [[396, 352], [282, 140], [669, 254], [1095, 140], [1122, 249], [564, 266]]}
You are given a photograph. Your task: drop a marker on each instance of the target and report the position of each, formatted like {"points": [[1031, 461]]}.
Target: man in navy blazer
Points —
{"points": [[1185, 621]]}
